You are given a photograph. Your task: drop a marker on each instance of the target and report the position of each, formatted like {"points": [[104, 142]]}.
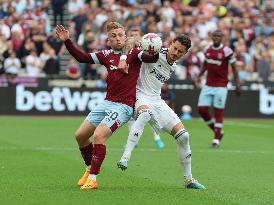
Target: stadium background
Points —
{"points": [[42, 65]]}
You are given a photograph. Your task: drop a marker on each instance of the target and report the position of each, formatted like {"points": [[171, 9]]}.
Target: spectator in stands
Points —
{"points": [[58, 7], [33, 64], [49, 62], [12, 64], [4, 29], [73, 70]]}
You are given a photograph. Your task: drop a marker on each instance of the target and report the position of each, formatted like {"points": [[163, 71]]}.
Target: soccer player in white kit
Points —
{"points": [[136, 35], [150, 108]]}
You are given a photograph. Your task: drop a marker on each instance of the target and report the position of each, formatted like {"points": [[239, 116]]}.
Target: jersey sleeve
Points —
{"points": [[229, 54], [146, 58], [100, 57]]}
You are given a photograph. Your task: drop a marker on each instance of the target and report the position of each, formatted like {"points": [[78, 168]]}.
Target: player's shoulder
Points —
{"points": [[164, 50], [227, 51]]}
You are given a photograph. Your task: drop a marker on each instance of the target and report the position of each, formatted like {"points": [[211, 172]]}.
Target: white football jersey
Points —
{"points": [[153, 75]]}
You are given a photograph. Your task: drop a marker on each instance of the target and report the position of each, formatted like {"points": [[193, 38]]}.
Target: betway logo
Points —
{"points": [[59, 99], [266, 102]]}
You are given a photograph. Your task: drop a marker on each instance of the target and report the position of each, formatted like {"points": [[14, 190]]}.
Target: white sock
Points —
{"points": [[88, 168], [130, 123], [92, 177], [135, 133], [184, 152]]}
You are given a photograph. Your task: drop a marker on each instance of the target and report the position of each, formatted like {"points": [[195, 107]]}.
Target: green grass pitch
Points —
{"points": [[40, 164]]}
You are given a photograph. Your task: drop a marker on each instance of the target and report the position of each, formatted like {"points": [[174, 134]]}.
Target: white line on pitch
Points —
{"points": [[141, 150], [247, 124]]}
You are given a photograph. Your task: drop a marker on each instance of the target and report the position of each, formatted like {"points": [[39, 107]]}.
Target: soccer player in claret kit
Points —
{"points": [[150, 108], [214, 92], [116, 109]]}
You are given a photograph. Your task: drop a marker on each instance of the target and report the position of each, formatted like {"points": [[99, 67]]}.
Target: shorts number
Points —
{"points": [[113, 115]]}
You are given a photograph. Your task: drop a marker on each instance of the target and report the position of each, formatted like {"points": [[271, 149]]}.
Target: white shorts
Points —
{"points": [[163, 117], [213, 96]]}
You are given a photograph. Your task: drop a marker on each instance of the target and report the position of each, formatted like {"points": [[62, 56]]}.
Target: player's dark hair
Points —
{"points": [[217, 32], [184, 40]]}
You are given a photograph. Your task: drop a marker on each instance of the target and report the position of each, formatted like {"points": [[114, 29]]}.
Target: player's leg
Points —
{"points": [[157, 139], [205, 101], [82, 136], [144, 115], [219, 105], [117, 114], [174, 126], [130, 123], [184, 152], [101, 134], [84, 133]]}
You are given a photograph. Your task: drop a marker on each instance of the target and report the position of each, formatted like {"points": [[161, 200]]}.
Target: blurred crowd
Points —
{"points": [[28, 45]]}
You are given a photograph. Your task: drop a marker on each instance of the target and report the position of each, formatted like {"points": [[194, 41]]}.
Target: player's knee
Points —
{"points": [[80, 136], [145, 115], [182, 136]]}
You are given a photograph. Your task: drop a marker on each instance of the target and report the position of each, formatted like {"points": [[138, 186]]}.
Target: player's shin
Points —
{"points": [[204, 112], [98, 156], [136, 133], [184, 152], [86, 153]]}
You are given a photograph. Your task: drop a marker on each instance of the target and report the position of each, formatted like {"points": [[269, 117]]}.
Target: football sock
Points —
{"points": [[98, 156], [219, 123], [135, 133], [184, 152], [92, 177], [86, 153], [203, 110]]}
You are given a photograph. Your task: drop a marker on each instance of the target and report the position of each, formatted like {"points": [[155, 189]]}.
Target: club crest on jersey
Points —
{"points": [[106, 52]]}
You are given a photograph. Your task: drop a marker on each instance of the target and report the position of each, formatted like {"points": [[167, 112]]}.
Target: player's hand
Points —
{"points": [[238, 90], [123, 66], [61, 32], [197, 82]]}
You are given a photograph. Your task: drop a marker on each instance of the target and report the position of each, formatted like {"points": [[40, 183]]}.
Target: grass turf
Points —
{"points": [[40, 164]]}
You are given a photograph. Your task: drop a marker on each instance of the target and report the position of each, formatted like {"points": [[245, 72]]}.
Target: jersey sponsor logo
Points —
{"points": [[106, 52], [158, 75], [216, 62], [113, 67]]}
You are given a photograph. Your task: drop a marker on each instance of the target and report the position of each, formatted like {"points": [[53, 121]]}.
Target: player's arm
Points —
{"points": [[197, 81], [131, 43], [232, 61], [236, 79], [76, 52]]}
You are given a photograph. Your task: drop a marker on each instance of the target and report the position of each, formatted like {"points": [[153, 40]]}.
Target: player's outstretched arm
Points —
{"points": [[236, 79], [77, 53]]}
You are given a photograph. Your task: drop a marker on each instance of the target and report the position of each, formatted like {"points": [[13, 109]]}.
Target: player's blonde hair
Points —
{"points": [[114, 25]]}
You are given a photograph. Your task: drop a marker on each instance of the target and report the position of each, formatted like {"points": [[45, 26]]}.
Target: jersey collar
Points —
{"points": [[117, 51], [218, 48]]}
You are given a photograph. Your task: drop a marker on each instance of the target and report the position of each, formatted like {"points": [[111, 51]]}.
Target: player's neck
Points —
{"points": [[216, 46], [170, 62]]}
